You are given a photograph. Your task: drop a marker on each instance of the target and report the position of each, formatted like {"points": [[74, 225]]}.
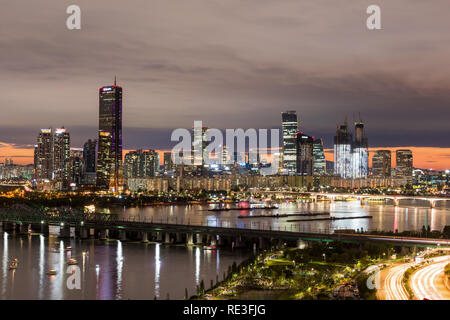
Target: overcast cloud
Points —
{"points": [[229, 63]]}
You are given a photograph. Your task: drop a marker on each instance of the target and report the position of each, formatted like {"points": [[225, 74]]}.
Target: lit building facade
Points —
{"points": [[305, 155], [44, 155], [381, 163], [360, 153], [404, 166], [319, 163], [109, 156], [61, 160], [289, 126], [168, 162], [140, 164], [343, 152]]}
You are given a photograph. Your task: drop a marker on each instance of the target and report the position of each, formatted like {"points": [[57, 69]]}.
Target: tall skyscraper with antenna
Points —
{"points": [[109, 156]]}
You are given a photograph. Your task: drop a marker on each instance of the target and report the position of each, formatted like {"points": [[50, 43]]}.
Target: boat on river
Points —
{"points": [[14, 264]]}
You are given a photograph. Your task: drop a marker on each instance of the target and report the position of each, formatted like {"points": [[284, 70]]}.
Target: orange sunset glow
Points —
{"points": [[424, 157]]}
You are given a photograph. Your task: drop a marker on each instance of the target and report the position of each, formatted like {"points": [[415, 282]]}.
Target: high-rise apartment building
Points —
{"points": [[44, 155], [140, 164]]}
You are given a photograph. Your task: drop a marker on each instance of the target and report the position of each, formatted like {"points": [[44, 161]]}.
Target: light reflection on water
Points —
{"points": [[385, 216], [109, 270], [121, 270]]}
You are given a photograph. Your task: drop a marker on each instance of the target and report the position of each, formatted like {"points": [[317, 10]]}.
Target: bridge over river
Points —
{"points": [[432, 200], [104, 226]]}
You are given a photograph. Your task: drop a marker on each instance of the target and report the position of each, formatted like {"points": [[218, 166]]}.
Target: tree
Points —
{"points": [[446, 232], [202, 287]]}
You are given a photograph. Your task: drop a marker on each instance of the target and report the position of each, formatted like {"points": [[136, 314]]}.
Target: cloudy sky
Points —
{"points": [[229, 63]]}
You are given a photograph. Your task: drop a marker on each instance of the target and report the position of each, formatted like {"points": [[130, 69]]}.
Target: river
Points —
{"points": [[131, 270]]}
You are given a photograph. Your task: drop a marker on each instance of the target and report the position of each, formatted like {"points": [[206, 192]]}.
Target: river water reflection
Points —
{"points": [[411, 215], [126, 270], [109, 270]]}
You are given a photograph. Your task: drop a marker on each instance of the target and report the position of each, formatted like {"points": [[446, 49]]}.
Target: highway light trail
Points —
{"points": [[423, 282], [393, 283]]}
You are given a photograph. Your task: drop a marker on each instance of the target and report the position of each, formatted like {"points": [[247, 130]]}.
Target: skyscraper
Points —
{"points": [[109, 157], [404, 159], [76, 167], [61, 158], [289, 125], [199, 144], [319, 165], [381, 163], [89, 150], [343, 152], [156, 162], [360, 153], [44, 155], [89, 176], [305, 155]]}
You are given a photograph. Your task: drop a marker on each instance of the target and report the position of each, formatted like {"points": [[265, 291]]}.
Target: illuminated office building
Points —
{"points": [[305, 154], [360, 153], [404, 166], [319, 164], [109, 154], [43, 158], [381, 163], [61, 160], [289, 125], [343, 152]]}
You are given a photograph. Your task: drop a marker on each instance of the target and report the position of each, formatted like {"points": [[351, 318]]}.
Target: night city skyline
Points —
{"points": [[224, 159], [198, 69]]}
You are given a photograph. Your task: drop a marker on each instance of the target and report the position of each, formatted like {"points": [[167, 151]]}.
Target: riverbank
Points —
{"points": [[322, 271]]}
